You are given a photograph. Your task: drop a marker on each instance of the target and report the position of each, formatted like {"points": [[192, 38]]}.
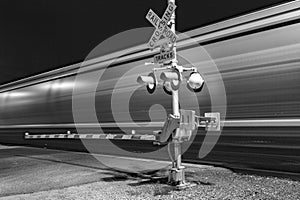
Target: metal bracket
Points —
{"points": [[170, 125], [215, 124]]}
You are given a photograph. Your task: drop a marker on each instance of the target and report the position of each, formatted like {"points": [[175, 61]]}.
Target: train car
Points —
{"points": [[257, 56]]}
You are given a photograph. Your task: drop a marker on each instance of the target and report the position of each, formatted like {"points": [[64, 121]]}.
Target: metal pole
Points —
{"points": [[175, 94], [177, 146], [176, 175]]}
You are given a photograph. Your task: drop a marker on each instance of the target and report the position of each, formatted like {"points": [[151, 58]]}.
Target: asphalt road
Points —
{"points": [[28, 170]]}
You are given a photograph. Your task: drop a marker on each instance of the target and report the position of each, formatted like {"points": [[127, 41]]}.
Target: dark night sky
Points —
{"points": [[40, 35]]}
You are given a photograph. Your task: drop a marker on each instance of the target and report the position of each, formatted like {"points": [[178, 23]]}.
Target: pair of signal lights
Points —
{"points": [[172, 81]]}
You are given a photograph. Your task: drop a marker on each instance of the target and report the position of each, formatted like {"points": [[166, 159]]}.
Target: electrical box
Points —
{"points": [[186, 127]]}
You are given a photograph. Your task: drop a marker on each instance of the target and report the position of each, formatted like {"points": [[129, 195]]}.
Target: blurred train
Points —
{"points": [[258, 57]]}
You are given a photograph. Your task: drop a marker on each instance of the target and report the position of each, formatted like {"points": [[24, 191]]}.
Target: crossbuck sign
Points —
{"points": [[161, 26]]}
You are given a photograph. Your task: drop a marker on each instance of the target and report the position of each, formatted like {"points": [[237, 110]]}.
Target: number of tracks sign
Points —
{"points": [[163, 57]]}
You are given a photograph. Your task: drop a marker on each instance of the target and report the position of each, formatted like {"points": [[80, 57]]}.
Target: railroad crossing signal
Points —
{"points": [[180, 125], [161, 26]]}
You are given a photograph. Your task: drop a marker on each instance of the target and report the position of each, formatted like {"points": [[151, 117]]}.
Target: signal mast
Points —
{"points": [[179, 125]]}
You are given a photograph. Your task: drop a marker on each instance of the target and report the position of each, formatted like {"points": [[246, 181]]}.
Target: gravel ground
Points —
{"points": [[212, 183]]}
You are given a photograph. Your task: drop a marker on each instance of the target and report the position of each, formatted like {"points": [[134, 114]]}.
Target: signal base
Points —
{"points": [[177, 179]]}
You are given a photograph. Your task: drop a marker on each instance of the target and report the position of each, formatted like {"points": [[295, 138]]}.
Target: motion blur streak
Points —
{"points": [[227, 123]]}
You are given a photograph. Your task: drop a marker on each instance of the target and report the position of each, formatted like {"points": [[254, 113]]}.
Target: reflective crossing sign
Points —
{"points": [[168, 14], [161, 26], [167, 32], [161, 23], [163, 57], [153, 18]]}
